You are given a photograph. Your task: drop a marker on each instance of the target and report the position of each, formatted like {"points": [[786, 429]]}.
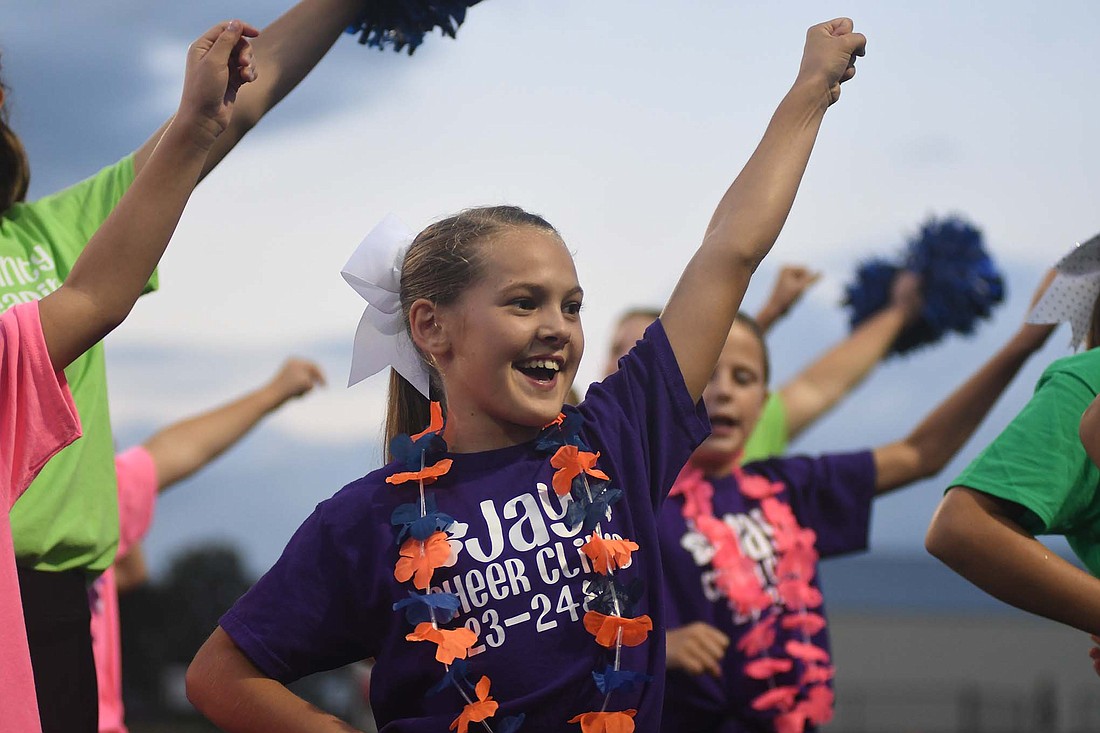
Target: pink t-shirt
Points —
{"points": [[37, 419], [137, 495]]}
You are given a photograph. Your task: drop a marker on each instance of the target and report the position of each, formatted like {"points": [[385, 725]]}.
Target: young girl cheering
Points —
{"points": [[504, 569], [747, 645]]}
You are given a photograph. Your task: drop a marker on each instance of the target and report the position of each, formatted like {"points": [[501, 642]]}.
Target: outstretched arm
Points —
{"points": [[979, 537], [790, 285], [112, 270], [815, 390], [186, 446], [944, 431], [749, 217], [287, 51]]}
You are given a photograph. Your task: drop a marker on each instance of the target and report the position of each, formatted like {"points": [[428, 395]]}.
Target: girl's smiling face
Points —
{"points": [[508, 348], [734, 398]]}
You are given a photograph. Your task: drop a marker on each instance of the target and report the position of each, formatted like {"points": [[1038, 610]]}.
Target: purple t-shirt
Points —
{"points": [[518, 571], [832, 495]]}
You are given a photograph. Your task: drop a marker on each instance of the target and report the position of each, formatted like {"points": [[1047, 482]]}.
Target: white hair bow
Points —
{"points": [[374, 271], [1073, 292]]}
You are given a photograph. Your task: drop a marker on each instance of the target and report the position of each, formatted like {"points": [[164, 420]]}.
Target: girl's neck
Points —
{"points": [[468, 431], [716, 466]]}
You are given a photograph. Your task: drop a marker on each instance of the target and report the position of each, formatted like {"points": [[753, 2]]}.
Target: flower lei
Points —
{"points": [[791, 608], [423, 533]]}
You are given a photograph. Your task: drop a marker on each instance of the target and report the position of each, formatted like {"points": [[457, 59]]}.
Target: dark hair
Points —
{"points": [[440, 264], [15, 169], [750, 323]]}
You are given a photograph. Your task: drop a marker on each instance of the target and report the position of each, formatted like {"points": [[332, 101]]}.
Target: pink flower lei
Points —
{"points": [[790, 606], [423, 535]]}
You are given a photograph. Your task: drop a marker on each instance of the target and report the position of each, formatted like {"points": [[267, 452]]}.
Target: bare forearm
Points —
{"points": [[111, 273], [994, 553], [937, 438], [225, 687], [767, 316], [836, 373], [750, 215], [286, 51], [186, 446], [745, 225]]}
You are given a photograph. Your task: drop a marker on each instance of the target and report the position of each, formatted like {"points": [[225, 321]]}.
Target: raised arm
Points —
{"points": [[112, 270], [818, 387], [926, 450], [790, 285], [287, 51], [749, 217], [186, 446]]}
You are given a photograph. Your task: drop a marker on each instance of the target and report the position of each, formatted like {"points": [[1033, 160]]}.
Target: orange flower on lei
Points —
{"points": [[435, 423], [617, 722], [475, 712], [571, 461], [606, 628], [420, 559], [453, 643], [429, 473], [608, 554]]}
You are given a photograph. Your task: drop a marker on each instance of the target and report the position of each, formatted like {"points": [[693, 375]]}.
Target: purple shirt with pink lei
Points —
{"points": [[515, 566], [832, 496]]}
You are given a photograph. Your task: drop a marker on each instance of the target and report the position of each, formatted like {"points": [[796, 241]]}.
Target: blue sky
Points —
{"points": [[620, 122]]}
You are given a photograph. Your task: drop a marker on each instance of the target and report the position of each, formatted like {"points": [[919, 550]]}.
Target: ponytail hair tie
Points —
{"points": [[1073, 292], [374, 271]]}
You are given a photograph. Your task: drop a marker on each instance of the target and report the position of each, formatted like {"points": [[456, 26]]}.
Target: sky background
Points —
{"points": [[619, 121]]}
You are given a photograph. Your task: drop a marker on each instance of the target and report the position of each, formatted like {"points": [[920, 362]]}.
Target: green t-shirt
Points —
{"points": [[770, 436], [68, 518], [1039, 463]]}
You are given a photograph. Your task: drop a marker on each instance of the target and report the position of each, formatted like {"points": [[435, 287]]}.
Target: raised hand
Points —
{"points": [[790, 285], [218, 64], [830, 55], [295, 378]]}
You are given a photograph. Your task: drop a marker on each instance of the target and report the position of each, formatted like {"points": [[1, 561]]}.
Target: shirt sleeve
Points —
{"points": [[1038, 461], [644, 415], [319, 607], [37, 414], [832, 495], [137, 495]]}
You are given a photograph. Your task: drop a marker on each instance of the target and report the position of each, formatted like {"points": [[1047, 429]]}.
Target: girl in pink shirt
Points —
{"points": [[38, 340]]}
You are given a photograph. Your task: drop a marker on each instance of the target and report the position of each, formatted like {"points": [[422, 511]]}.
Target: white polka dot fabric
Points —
{"points": [[1074, 290]]}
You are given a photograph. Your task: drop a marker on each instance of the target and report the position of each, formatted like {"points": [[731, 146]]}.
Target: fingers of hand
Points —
{"points": [[707, 646], [230, 35], [839, 26], [244, 60]]}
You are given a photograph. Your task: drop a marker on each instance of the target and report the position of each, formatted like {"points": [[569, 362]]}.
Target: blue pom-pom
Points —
{"points": [[403, 23], [959, 282]]}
